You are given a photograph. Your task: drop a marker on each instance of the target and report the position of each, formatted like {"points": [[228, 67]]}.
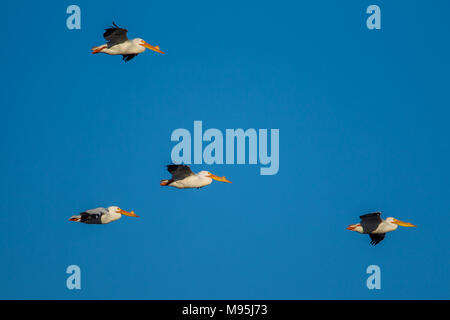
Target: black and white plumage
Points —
{"points": [[184, 178], [101, 215], [373, 225], [119, 44]]}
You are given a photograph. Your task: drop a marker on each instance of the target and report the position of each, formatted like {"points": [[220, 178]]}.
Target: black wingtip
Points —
{"points": [[372, 214], [117, 27], [128, 57]]}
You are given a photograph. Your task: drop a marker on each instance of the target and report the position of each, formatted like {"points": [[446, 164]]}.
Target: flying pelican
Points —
{"points": [[118, 43], [376, 227], [183, 177], [101, 215]]}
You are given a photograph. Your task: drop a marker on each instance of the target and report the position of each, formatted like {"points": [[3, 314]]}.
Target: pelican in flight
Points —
{"points": [[118, 43], [375, 227], [184, 178], [102, 215]]}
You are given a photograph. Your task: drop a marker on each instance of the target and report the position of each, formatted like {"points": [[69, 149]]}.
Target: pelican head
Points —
{"points": [[392, 220], [208, 174], [117, 210], [141, 42]]}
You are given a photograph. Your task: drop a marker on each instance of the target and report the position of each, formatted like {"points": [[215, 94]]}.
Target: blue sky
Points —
{"points": [[363, 118]]}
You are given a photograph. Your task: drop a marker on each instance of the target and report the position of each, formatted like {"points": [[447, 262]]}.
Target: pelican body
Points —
{"points": [[375, 227], [102, 215], [119, 44], [184, 178]]}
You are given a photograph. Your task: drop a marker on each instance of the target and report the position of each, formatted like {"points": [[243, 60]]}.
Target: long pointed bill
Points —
{"points": [[221, 179], [403, 224], [154, 48], [126, 213]]}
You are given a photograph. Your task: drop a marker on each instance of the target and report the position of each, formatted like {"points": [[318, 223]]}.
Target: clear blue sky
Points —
{"points": [[364, 125]]}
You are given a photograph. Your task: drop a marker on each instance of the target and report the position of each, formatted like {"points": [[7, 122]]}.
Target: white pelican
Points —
{"points": [[375, 227], [102, 215], [118, 43], [183, 177]]}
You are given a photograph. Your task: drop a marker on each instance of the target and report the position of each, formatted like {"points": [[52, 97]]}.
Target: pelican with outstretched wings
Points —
{"points": [[119, 44], [101, 215], [375, 227], [184, 178]]}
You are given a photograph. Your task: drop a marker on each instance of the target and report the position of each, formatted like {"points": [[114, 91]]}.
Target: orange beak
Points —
{"points": [[352, 226], [154, 48], [126, 213], [221, 179], [403, 224]]}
